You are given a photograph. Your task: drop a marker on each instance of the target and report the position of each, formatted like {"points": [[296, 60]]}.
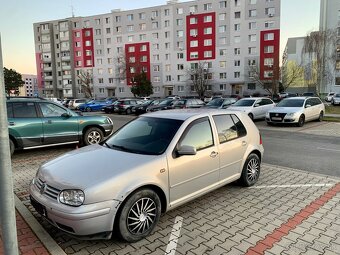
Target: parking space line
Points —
{"points": [[293, 186], [268, 242], [175, 234], [327, 149]]}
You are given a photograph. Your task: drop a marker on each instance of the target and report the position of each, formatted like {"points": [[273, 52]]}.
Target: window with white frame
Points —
{"points": [[269, 36], [180, 77], [167, 56], [223, 64], [154, 25], [179, 22], [180, 33], [269, 24], [251, 50], [252, 1], [207, 6], [130, 38], [223, 87], [237, 27], [142, 37], [132, 69], [180, 66], [237, 39], [194, 43], [222, 16], [156, 89], [223, 52], [268, 74], [251, 62], [252, 25], [143, 59], [208, 54], [207, 18], [252, 13], [193, 32], [222, 40], [180, 88], [193, 54], [130, 17], [119, 39], [156, 68], [118, 18], [237, 51], [207, 42], [237, 74], [143, 47], [110, 70], [193, 20], [180, 55], [167, 23], [99, 61], [121, 89], [167, 12], [223, 76], [156, 79], [268, 61], [88, 62], [142, 26], [156, 57], [208, 30], [131, 49], [155, 35], [132, 59], [167, 68], [268, 49], [237, 62], [222, 29], [87, 43], [167, 34], [270, 11], [223, 4], [252, 38], [155, 46], [179, 10], [100, 80], [154, 14]]}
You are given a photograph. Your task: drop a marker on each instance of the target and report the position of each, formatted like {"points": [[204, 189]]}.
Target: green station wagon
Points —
{"points": [[35, 122]]}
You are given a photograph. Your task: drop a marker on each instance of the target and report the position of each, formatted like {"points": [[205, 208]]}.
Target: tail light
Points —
{"points": [[260, 138]]}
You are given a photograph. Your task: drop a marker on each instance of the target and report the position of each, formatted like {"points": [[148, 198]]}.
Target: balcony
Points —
{"points": [[66, 67], [47, 60], [65, 58], [67, 76], [48, 77], [45, 31], [45, 40], [47, 68]]}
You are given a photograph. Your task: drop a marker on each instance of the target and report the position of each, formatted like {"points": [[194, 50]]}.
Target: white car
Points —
{"points": [[74, 103], [255, 107], [329, 96], [296, 110], [153, 164], [336, 99]]}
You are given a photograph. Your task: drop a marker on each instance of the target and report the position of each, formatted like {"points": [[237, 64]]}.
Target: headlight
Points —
{"points": [[71, 197], [290, 114]]}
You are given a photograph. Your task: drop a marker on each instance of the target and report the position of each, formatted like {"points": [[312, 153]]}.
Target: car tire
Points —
{"points": [[11, 146], [93, 135], [301, 121], [251, 116], [88, 109], [135, 224], [128, 111], [251, 170], [320, 116]]}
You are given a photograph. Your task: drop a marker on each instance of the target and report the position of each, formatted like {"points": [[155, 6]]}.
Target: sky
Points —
{"points": [[298, 17]]}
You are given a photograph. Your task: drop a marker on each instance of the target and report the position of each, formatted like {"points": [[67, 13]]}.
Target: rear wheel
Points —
{"points": [[301, 121], [139, 215], [128, 111], [93, 136], [251, 170]]}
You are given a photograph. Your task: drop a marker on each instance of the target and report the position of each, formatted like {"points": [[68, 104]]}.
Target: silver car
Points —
{"points": [[255, 107], [153, 164], [296, 110], [336, 99]]}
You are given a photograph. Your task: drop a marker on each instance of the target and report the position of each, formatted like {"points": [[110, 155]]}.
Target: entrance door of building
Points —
{"points": [[169, 91], [111, 92], [237, 89]]}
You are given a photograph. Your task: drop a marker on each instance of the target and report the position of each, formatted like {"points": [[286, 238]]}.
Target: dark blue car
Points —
{"points": [[94, 105]]}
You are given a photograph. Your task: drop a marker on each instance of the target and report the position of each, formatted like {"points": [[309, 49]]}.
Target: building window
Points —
{"points": [[252, 13], [156, 79], [208, 54], [222, 29], [142, 15], [193, 8], [130, 38], [252, 25], [207, 18], [223, 4], [180, 88], [223, 76], [268, 74], [156, 89], [121, 89], [130, 28], [107, 20], [252, 38], [193, 32], [142, 37], [251, 62], [180, 66], [179, 22], [167, 34], [269, 11], [100, 80], [222, 16], [143, 59], [167, 23], [180, 55], [194, 54], [208, 31], [268, 61], [179, 10], [167, 12], [223, 64], [251, 86], [237, 74], [252, 1], [237, 27], [207, 6], [193, 43], [193, 20], [223, 52], [237, 51], [130, 17], [155, 25], [237, 62], [207, 42], [269, 36], [268, 49], [132, 59], [251, 50], [237, 39], [180, 33], [98, 31], [156, 68], [237, 15], [269, 24], [118, 19], [97, 21], [222, 40]]}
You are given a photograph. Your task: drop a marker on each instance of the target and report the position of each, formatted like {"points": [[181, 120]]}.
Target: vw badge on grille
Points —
{"points": [[42, 188], [277, 114]]}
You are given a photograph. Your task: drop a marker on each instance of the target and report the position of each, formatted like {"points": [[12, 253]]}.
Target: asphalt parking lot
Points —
{"points": [[287, 212]]}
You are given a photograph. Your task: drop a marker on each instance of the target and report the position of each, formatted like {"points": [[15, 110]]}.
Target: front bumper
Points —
{"points": [[281, 118], [108, 129], [86, 221]]}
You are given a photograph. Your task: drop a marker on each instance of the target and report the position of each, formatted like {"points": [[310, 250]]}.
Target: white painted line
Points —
{"points": [[327, 149], [293, 186], [175, 234]]}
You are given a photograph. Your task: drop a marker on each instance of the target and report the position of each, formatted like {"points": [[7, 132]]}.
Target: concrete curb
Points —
{"points": [[41, 233]]}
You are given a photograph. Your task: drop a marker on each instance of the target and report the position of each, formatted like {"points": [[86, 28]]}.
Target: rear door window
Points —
{"points": [[226, 128], [24, 110], [9, 110], [241, 130]]}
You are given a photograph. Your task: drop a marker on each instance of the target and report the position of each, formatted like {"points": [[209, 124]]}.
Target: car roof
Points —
{"points": [[184, 114], [26, 99], [294, 98]]}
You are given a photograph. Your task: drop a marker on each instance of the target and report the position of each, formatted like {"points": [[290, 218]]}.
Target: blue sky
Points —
{"points": [[298, 17]]}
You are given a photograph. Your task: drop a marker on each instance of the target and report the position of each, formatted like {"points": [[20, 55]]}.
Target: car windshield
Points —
{"points": [[145, 135], [337, 95], [216, 102], [165, 102], [291, 103], [244, 102]]}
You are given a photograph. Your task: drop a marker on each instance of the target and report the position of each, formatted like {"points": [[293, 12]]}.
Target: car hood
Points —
{"points": [[285, 109], [89, 166]]}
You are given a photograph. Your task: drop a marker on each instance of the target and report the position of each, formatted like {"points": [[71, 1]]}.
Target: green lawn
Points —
{"points": [[333, 109]]}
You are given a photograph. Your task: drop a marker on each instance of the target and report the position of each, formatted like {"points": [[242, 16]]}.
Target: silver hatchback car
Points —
{"points": [[153, 164]]}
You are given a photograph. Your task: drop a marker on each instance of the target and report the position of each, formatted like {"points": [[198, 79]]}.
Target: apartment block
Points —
{"points": [[30, 87], [165, 42]]}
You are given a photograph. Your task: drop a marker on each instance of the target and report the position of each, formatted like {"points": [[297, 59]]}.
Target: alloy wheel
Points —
{"points": [[253, 168], [141, 216], [94, 137]]}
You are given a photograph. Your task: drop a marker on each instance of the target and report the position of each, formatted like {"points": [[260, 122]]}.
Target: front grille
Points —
{"points": [[278, 117], [48, 191]]}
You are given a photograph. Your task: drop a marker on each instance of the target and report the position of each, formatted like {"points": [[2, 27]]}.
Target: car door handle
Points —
{"points": [[244, 143], [11, 123], [213, 154]]}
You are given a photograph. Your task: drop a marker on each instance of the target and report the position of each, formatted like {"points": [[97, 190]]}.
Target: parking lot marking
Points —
{"points": [[293, 186], [327, 149], [175, 234], [267, 243]]}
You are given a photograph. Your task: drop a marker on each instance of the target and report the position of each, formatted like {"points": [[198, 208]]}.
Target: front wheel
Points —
{"points": [[301, 121], [128, 111], [11, 146], [320, 116], [139, 215], [88, 109], [93, 136], [251, 170]]}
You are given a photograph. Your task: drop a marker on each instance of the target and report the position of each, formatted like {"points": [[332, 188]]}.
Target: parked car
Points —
{"points": [[329, 96], [296, 110], [74, 103], [173, 97], [255, 107], [220, 103], [93, 105], [187, 103], [124, 185], [208, 99], [125, 105], [34, 122], [56, 100], [166, 104], [308, 94], [141, 108], [65, 102], [336, 99], [110, 108]]}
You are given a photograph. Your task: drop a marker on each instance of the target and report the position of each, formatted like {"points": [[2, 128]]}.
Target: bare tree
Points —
{"points": [[319, 48], [200, 77], [290, 74], [86, 82], [269, 83]]}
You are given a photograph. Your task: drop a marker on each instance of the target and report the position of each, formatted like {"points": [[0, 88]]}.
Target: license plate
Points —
{"points": [[276, 118], [39, 207]]}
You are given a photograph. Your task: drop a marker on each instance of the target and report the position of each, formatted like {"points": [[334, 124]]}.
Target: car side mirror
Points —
{"points": [[186, 150], [256, 105], [65, 115], [308, 105]]}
